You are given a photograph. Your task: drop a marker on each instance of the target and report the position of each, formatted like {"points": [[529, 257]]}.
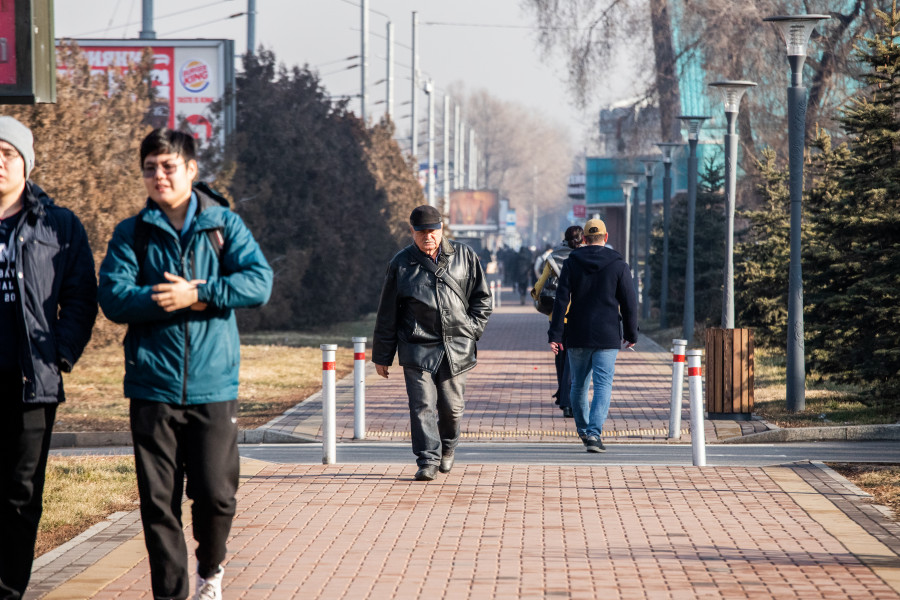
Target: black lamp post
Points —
{"points": [[648, 224], [733, 91], [693, 124], [796, 30], [667, 148]]}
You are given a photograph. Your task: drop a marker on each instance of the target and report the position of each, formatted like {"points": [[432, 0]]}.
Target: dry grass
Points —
{"points": [[826, 403], [273, 378], [882, 481], [81, 491]]}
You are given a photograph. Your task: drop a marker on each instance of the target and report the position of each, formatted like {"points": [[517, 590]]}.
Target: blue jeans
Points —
{"points": [[584, 363]]}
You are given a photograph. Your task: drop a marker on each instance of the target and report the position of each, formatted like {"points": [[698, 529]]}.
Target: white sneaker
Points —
{"points": [[210, 589]]}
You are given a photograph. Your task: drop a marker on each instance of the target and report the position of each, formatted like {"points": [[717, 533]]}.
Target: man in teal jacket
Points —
{"points": [[175, 273]]}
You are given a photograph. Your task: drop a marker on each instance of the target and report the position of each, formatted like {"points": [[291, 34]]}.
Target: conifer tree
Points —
{"points": [[854, 282]]}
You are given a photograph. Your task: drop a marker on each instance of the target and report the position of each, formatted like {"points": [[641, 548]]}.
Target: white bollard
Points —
{"points": [[695, 385], [359, 388], [499, 296], [329, 431], [678, 347], [493, 295]]}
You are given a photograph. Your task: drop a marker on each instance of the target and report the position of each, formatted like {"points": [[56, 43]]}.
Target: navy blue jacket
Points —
{"points": [[57, 294], [603, 308], [186, 356]]}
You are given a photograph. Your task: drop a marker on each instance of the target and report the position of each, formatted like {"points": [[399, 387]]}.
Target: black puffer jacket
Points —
{"points": [[422, 320], [603, 308], [57, 292]]}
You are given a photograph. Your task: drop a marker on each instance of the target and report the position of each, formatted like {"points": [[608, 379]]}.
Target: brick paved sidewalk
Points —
{"points": [[508, 395], [507, 532]]}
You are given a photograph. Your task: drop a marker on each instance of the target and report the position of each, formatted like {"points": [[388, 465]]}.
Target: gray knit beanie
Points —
{"points": [[19, 137]]}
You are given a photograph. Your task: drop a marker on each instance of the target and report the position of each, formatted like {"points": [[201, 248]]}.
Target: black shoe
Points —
{"points": [[594, 444], [567, 412], [446, 463], [426, 473]]}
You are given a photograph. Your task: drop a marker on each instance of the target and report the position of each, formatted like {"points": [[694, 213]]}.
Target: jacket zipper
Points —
{"points": [[187, 339]]}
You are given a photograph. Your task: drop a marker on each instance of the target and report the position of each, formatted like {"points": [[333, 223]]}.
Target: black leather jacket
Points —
{"points": [[57, 293], [422, 320]]}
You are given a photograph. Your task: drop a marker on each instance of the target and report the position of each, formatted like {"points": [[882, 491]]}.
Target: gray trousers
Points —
{"points": [[436, 407]]}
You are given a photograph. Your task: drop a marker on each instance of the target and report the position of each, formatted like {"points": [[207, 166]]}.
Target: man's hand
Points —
{"points": [[556, 347], [178, 294], [382, 370], [629, 346]]}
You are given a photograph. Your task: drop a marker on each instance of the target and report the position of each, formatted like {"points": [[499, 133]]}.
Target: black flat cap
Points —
{"points": [[425, 217]]}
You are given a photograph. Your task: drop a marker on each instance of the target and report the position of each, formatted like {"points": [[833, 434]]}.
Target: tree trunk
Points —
{"points": [[666, 71]]}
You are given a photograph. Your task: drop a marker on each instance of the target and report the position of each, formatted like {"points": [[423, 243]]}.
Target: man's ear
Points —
{"points": [[192, 168]]}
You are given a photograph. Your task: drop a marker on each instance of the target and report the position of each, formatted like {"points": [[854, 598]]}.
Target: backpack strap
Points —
{"points": [[142, 242], [554, 266]]}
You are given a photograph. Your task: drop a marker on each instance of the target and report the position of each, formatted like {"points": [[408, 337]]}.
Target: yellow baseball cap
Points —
{"points": [[595, 227]]}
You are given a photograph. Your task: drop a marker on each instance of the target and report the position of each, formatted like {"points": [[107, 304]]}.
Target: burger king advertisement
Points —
{"points": [[187, 76]]}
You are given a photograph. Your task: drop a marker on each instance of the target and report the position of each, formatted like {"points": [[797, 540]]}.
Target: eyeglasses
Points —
{"points": [[9, 154], [168, 168]]}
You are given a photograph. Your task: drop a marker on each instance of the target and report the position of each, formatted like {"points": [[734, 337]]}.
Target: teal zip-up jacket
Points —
{"points": [[183, 357]]}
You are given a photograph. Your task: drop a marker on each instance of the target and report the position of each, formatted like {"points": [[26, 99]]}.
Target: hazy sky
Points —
{"points": [[479, 43]]}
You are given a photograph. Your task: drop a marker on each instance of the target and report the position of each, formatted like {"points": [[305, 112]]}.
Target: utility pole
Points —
{"points": [[473, 165], [414, 117], [147, 32], [389, 76], [446, 169], [251, 26], [534, 215], [463, 174], [457, 149], [363, 57], [429, 89]]}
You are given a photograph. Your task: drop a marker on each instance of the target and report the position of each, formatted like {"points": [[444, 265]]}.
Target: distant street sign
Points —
{"points": [[579, 211]]}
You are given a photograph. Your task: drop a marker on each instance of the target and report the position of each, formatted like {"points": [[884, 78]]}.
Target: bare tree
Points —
{"points": [[522, 153]]}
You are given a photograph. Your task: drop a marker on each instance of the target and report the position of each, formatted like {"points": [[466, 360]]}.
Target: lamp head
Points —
{"points": [[796, 29], [627, 186], [648, 167], [693, 124], [732, 92], [667, 149]]}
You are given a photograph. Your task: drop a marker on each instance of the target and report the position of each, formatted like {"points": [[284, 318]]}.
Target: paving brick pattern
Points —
{"points": [[497, 531], [508, 395]]}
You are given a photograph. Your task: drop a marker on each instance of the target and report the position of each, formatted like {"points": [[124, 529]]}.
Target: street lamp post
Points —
{"points": [[635, 204], [667, 148], [796, 30], [648, 226], [693, 124], [627, 186], [732, 91]]}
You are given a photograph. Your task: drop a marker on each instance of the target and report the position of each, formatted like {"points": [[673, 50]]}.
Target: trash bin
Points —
{"points": [[729, 374]]}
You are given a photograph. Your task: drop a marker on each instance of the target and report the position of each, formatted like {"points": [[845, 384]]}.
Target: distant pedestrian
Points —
{"points": [[595, 285], [48, 304], [524, 272], [434, 306], [175, 273], [573, 238]]}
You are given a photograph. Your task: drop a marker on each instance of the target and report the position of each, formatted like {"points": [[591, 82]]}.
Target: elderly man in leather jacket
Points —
{"points": [[434, 305]]}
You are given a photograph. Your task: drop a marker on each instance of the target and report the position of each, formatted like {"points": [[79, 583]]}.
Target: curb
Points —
{"points": [[819, 434]]}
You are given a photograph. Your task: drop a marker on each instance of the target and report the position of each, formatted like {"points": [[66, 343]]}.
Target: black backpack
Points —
{"points": [[545, 300]]}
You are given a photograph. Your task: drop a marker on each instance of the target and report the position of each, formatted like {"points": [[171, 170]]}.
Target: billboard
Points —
{"points": [[187, 76], [27, 74], [474, 210]]}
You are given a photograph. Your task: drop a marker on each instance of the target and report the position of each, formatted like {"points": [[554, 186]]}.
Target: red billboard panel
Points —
{"points": [[474, 210]]}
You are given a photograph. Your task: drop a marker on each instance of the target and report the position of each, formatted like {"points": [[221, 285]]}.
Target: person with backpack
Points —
{"points": [[594, 315], [544, 294], [48, 305], [175, 273]]}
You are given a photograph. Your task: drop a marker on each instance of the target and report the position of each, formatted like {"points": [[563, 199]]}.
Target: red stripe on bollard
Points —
{"points": [[693, 371], [359, 356], [678, 358], [328, 366]]}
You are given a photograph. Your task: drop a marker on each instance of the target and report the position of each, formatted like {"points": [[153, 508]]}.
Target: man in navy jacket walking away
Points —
{"points": [[595, 301], [175, 273]]}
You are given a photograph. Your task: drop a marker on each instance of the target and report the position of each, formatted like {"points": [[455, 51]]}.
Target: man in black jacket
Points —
{"points": [[434, 305], [48, 304], [596, 297]]}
